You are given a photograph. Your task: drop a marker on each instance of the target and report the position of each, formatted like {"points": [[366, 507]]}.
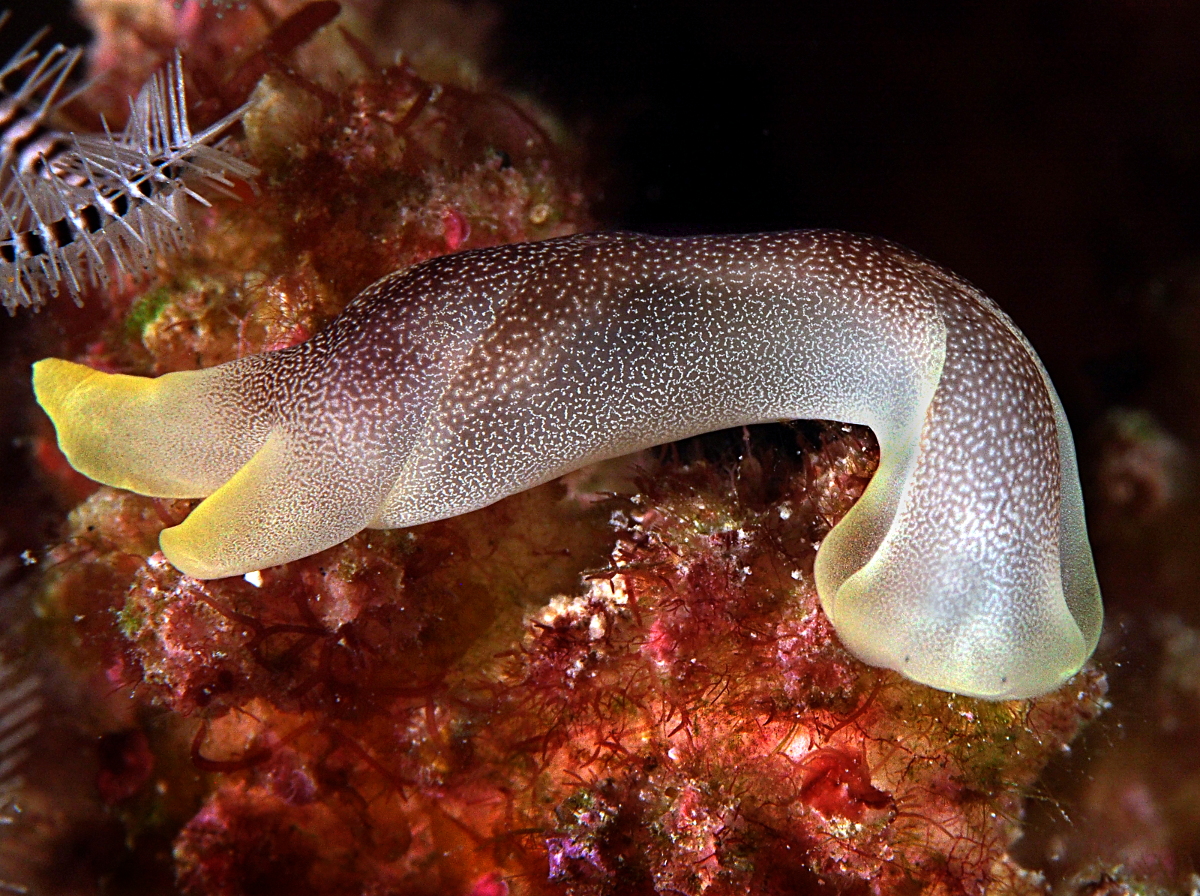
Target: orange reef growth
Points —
{"points": [[446, 709], [618, 683]]}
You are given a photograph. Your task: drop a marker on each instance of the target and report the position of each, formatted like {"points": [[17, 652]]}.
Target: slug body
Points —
{"points": [[965, 565]]}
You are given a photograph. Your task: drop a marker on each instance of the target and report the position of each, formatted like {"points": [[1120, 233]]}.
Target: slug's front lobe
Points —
{"points": [[965, 565]]}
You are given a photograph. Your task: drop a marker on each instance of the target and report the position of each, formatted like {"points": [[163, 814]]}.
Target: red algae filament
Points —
{"points": [[838, 783]]}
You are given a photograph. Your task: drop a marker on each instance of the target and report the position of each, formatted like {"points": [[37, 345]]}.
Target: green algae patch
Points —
{"points": [[146, 310]]}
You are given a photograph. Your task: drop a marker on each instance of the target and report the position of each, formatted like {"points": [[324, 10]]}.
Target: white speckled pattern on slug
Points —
{"points": [[439, 390]]}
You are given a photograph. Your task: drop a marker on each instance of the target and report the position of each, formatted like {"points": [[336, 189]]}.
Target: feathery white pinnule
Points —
{"points": [[20, 704], [25, 139], [77, 208]]}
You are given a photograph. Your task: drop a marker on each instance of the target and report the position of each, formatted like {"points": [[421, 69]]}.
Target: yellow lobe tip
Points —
{"points": [[54, 382], [178, 547], [151, 435], [67, 393]]}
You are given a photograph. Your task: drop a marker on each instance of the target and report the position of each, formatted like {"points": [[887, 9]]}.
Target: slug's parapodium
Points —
{"points": [[965, 565]]}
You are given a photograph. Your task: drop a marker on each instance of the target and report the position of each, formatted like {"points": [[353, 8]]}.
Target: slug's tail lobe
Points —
{"points": [[291, 500], [173, 436], [272, 495]]}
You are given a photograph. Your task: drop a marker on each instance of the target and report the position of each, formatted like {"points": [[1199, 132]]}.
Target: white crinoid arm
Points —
{"points": [[19, 706], [27, 104], [109, 202]]}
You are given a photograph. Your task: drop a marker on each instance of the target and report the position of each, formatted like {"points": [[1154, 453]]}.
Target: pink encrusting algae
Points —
{"points": [[620, 684]]}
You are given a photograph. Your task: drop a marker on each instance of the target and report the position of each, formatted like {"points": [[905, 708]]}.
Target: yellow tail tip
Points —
{"points": [[54, 382], [179, 435], [186, 549], [97, 416]]}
